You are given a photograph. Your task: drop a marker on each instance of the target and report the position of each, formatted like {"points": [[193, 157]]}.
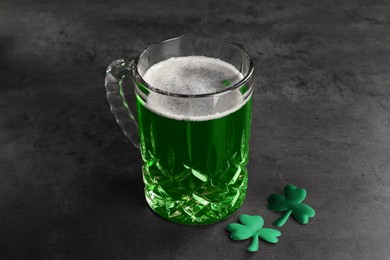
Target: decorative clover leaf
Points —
{"points": [[252, 226], [291, 202]]}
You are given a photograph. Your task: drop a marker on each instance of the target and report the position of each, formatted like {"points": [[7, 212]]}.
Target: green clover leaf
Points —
{"points": [[291, 202], [252, 226]]}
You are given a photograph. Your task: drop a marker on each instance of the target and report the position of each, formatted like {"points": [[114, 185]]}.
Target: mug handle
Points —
{"points": [[117, 89]]}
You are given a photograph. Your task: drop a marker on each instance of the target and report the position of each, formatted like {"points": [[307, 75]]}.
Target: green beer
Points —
{"points": [[194, 158]]}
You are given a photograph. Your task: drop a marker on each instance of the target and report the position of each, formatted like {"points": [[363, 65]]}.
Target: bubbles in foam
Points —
{"points": [[193, 75]]}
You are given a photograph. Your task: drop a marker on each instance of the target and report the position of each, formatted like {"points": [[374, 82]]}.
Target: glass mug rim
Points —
{"points": [[237, 85]]}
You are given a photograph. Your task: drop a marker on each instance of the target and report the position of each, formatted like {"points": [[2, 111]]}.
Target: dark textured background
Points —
{"points": [[70, 182]]}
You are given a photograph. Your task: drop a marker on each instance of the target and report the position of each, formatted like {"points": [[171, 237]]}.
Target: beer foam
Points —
{"points": [[193, 75]]}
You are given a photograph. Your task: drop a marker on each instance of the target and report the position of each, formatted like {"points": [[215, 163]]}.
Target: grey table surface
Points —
{"points": [[70, 182]]}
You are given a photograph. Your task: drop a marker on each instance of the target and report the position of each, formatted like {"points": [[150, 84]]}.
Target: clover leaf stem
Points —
{"points": [[282, 220], [254, 246]]}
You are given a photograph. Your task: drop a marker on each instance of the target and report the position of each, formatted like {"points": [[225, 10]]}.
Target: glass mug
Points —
{"points": [[194, 171]]}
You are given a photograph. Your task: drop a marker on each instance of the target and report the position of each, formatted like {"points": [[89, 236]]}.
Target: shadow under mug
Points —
{"points": [[194, 167]]}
